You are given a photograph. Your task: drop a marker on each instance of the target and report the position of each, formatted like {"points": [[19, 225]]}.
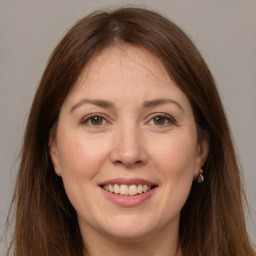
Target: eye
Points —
{"points": [[161, 120], [94, 120]]}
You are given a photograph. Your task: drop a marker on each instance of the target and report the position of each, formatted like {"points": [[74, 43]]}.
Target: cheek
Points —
{"points": [[175, 161], [80, 156], [81, 159], [176, 156]]}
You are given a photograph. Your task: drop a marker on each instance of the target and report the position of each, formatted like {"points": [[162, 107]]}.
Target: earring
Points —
{"points": [[200, 177]]}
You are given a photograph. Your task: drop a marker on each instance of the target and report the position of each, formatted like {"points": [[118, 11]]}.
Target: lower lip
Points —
{"points": [[128, 201]]}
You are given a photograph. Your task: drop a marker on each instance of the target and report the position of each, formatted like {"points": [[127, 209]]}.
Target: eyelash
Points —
{"points": [[88, 118], [166, 117]]}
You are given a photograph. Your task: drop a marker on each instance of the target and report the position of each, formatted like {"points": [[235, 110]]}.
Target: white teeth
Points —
{"points": [[126, 190], [132, 190], [111, 189], [140, 190], [116, 189]]}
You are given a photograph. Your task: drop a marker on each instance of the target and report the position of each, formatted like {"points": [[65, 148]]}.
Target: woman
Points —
{"points": [[127, 150]]}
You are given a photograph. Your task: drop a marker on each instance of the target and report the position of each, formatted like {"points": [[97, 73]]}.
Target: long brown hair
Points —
{"points": [[212, 220]]}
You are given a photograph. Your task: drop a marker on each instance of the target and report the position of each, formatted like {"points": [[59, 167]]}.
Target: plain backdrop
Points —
{"points": [[223, 30]]}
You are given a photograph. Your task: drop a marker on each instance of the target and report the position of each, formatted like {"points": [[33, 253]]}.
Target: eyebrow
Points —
{"points": [[108, 104], [97, 102], [157, 102]]}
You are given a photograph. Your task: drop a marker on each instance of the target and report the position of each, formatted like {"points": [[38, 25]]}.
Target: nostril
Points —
{"points": [[128, 164], [118, 162], [128, 158]]}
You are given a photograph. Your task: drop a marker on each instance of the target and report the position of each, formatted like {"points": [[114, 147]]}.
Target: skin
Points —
{"points": [[128, 140]]}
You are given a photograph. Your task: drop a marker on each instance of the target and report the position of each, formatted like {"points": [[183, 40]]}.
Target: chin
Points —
{"points": [[130, 228], [129, 235]]}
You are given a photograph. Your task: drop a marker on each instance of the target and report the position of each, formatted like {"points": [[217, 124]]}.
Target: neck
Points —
{"points": [[157, 244]]}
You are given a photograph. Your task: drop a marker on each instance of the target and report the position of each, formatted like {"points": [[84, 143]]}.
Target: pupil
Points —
{"points": [[96, 120], [159, 120]]}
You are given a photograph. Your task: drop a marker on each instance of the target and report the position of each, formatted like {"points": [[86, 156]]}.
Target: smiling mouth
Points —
{"points": [[127, 190]]}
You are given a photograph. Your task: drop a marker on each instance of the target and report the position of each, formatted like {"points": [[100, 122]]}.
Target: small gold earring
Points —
{"points": [[200, 177]]}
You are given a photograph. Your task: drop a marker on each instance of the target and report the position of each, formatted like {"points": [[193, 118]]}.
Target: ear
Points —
{"points": [[53, 151], [202, 152]]}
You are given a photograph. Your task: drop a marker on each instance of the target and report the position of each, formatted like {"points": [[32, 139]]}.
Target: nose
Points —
{"points": [[128, 149]]}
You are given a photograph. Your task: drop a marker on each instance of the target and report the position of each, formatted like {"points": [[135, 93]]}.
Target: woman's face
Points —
{"points": [[127, 147]]}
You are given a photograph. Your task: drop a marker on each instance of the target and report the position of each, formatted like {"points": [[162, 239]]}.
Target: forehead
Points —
{"points": [[128, 78], [123, 60], [125, 75]]}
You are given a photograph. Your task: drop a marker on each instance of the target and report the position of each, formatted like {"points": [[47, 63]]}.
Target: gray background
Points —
{"points": [[223, 30]]}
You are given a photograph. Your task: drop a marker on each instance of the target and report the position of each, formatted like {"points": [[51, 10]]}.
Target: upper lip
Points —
{"points": [[127, 181]]}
